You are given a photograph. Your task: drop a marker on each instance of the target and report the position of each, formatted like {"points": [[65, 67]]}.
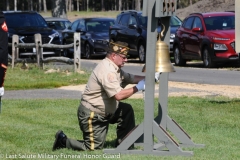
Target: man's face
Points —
{"points": [[119, 59]]}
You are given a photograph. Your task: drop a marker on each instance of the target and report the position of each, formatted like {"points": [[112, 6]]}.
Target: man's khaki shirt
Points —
{"points": [[106, 80]]}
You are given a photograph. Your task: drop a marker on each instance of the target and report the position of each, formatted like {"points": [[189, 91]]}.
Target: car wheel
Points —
{"points": [[65, 51], [178, 57], [87, 51], [141, 53], [207, 60]]}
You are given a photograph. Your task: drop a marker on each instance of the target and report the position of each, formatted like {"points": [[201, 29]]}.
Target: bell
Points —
{"points": [[163, 63]]}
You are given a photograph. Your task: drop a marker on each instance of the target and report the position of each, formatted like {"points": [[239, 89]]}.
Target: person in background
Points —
{"points": [[101, 103], [3, 51]]}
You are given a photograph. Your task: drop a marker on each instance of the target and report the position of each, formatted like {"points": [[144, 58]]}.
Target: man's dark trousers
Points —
{"points": [[95, 127]]}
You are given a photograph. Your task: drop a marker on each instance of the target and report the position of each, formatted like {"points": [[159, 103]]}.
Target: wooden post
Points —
{"points": [[15, 40], [38, 43], [77, 52]]}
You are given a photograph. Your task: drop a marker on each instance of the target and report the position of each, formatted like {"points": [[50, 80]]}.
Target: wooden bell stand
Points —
{"points": [[156, 126]]}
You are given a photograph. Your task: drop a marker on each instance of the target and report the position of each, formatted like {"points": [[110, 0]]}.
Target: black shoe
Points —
{"points": [[60, 137]]}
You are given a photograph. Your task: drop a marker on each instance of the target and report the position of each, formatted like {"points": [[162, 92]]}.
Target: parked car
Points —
{"points": [[94, 36], [175, 23], [59, 24], [131, 27], [209, 37], [27, 23]]}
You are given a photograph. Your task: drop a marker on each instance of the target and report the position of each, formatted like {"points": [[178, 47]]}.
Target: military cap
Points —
{"points": [[118, 47]]}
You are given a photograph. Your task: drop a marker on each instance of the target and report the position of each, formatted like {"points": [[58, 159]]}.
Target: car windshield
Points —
{"points": [[175, 21], [99, 26], [142, 20], [59, 25], [24, 20], [220, 22]]}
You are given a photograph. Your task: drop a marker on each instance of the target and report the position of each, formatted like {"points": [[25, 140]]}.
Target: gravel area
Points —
{"points": [[175, 89]]}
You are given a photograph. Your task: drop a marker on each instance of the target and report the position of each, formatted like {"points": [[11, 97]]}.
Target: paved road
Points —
{"points": [[189, 74], [192, 73]]}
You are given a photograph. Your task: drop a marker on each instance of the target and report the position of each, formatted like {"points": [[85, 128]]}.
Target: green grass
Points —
{"points": [[35, 78], [28, 126]]}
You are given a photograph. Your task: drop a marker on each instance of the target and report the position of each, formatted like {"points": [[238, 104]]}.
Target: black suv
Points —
{"points": [[27, 23], [131, 27]]}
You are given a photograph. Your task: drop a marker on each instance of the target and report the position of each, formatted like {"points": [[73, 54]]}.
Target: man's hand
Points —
{"points": [[157, 77], [1, 91], [141, 85]]}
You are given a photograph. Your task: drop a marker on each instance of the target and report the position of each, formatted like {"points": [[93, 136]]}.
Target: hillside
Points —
{"points": [[207, 6]]}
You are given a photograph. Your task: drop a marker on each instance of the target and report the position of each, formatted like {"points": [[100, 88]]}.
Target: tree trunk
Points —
{"points": [[137, 5], [87, 5], [70, 6], [59, 8], [31, 5], [44, 6], [133, 4], [66, 5], [93, 6], [78, 5], [83, 5], [7, 5], [39, 5], [103, 6], [15, 5], [115, 8], [119, 5]]}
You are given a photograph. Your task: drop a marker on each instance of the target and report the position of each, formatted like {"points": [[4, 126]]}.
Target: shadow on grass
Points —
{"points": [[225, 101]]}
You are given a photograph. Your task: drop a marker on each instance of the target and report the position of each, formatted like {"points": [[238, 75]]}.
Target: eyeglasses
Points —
{"points": [[123, 57]]}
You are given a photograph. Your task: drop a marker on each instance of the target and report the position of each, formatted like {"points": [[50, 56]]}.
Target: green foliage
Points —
{"points": [[28, 126], [35, 78]]}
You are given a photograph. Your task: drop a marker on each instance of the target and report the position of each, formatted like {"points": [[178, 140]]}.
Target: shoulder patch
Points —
{"points": [[4, 27], [111, 77]]}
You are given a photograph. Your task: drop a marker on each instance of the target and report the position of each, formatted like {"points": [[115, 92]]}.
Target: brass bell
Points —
{"points": [[163, 63]]}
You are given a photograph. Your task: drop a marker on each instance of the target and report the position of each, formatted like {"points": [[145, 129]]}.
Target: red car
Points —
{"points": [[209, 37]]}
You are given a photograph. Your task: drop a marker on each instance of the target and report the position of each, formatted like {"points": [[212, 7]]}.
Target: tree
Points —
{"points": [[39, 5], [137, 5], [69, 5], [59, 8], [7, 5], [15, 5], [119, 5], [87, 5], [44, 6], [103, 6], [78, 5]]}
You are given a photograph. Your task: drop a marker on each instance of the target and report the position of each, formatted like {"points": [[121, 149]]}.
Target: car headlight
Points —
{"points": [[218, 46], [172, 36]]}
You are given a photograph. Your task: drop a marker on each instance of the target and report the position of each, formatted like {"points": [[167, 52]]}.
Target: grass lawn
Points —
{"points": [[28, 127], [35, 78]]}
